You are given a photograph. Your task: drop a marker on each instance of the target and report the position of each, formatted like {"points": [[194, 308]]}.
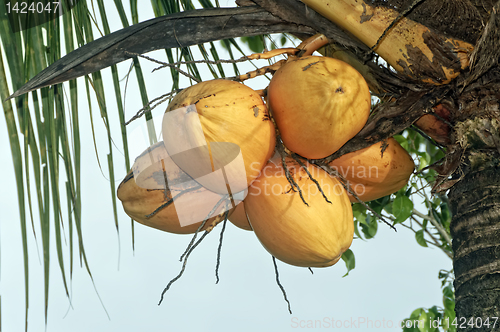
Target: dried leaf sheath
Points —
{"points": [[409, 47]]}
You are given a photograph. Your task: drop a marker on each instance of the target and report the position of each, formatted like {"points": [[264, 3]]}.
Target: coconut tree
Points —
{"points": [[432, 66]]}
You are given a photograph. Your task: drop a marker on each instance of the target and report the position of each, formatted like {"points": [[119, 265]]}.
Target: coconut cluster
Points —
{"points": [[218, 160]]}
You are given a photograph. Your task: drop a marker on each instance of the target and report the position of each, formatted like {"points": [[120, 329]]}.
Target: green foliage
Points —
{"points": [[422, 320], [44, 130], [402, 207], [431, 228], [50, 141], [258, 44], [255, 43], [435, 319], [350, 262], [369, 227]]}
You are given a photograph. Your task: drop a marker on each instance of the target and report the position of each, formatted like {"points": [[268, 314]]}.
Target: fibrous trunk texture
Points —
{"points": [[475, 228]]}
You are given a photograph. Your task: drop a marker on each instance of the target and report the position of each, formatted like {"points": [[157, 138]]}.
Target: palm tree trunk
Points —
{"points": [[475, 228]]}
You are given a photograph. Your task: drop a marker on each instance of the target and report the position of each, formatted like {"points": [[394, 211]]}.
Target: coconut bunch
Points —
{"points": [[217, 138], [218, 160]]}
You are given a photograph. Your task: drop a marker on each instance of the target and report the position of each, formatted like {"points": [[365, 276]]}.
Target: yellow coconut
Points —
{"points": [[219, 133], [156, 193], [313, 235], [239, 218], [319, 104], [373, 174]]}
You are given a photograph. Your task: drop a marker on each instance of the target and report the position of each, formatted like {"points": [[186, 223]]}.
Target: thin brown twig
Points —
{"points": [[219, 249], [297, 159], [203, 225], [165, 64], [414, 231], [435, 241], [294, 185], [170, 201], [433, 221], [211, 62], [279, 284], [280, 147], [147, 107], [183, 267]]}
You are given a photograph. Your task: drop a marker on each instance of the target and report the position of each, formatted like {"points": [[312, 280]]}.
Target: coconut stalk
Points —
{"points": [[409, 47]]}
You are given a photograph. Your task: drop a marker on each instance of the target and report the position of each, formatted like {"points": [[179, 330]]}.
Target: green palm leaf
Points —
{"points": [[46, 141]]}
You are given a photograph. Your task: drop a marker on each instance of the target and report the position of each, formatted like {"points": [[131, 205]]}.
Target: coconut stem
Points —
{"points": [[311, 44], [259, 72], [273, 53]]}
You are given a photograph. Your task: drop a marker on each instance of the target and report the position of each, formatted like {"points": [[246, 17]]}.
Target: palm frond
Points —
{"points": [[44, 126]]}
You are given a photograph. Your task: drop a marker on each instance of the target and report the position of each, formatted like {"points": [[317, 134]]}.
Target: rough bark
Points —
{"points": [[475, 228], [462, 19]]}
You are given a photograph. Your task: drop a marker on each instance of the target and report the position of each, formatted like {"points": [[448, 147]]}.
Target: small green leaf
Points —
{"points": [[445, 212], [411, 324], [283, 40], [402, 208], [423, 322], [402, 141], [449, 299], [424, 223], [434, 311], [388, 208], [254, 43], [448, 292], [424, 159], [419, 236], [448, 318], [370, 227], [350, 262], [449, 304], [356, 229], [416, 313], [379, 204], [359, 212]]}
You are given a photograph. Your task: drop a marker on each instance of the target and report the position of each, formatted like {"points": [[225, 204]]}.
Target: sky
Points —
{"points": [[393, 275]]}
